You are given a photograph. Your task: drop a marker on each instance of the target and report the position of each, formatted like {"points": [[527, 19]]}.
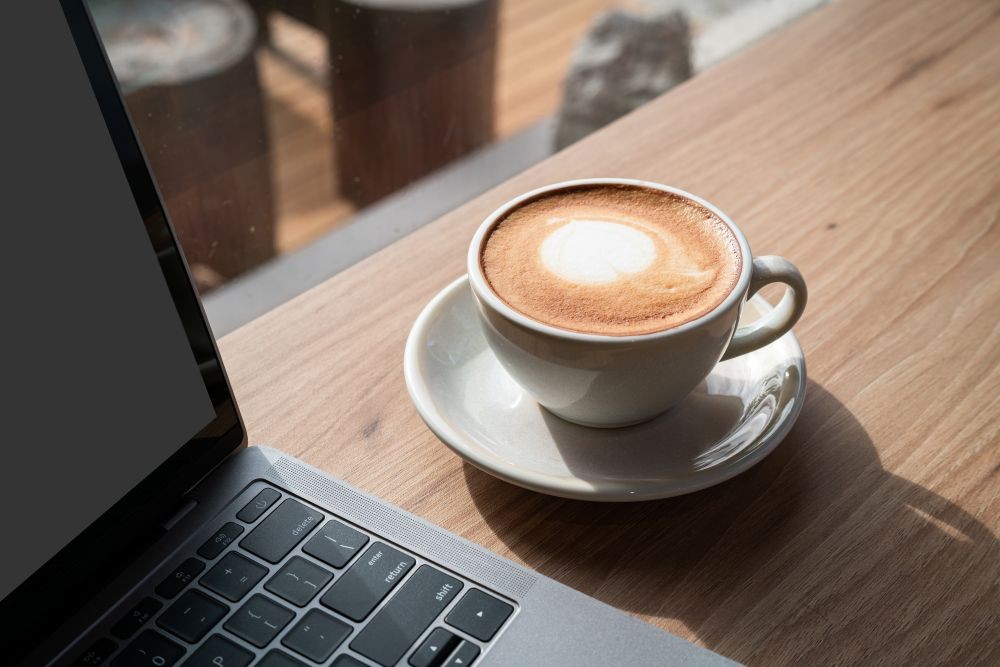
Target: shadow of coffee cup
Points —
{"points": [[814, 555]]}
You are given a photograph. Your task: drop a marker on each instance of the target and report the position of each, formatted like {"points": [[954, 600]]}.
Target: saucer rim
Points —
{"points": [[571, 487]]}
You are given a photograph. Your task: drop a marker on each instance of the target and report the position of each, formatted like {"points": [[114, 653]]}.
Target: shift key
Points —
{"points": [[394, 629], [368, 581], [283, 528]]}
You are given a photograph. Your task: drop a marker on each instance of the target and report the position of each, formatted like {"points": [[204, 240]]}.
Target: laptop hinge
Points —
{"points": [[175, 517]]}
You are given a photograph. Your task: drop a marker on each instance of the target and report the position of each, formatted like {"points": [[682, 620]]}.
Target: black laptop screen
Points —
{"points": [[101, 380]]}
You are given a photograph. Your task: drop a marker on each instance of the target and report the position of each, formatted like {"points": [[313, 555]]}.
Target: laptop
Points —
{"points": [[139, 528]]}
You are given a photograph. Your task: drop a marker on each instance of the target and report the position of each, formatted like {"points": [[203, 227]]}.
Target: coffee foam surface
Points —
{"points": [[613, 260]]}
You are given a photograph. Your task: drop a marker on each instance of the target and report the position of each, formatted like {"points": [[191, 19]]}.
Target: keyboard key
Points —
{"points": [[479, 614], [260, 504], [233, 576], [283, 528], [278, 658], [97, 653], [466, 653], [369, 580], [317, 635], [218, 542], [335, 544], [149, 649], [438, 645], [259, 620], [192, 616], [347, 661], [391, 632], [130, 623], [182, 575], [298, 581], [217, 651]]}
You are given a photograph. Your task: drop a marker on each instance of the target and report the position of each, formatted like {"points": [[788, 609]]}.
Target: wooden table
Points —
{"points": [[864, 143]]}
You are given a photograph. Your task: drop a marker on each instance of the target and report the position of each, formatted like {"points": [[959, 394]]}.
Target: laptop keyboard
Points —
{"points": [[284, 585]]}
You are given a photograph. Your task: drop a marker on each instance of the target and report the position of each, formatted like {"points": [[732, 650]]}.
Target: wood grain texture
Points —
{"points": [[863, 143]]}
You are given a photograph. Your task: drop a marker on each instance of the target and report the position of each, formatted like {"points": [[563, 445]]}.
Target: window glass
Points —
{"points": [[292, 138]]}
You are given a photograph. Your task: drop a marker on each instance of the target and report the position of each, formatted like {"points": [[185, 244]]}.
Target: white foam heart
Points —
{"points": [[592, 252]]}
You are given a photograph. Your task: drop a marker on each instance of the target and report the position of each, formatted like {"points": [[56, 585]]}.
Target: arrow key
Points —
{"points": [[435, 649], [466, 653], [479, 614]]}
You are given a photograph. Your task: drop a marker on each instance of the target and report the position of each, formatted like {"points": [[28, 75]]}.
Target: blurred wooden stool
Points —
{"points": [[189, 76], [411, 84]]}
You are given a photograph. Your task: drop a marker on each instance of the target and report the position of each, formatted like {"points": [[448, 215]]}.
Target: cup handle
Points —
{"points": [[766, 270]]}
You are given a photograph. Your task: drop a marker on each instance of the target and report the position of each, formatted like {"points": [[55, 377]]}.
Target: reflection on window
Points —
{"points": [[272, 124]]}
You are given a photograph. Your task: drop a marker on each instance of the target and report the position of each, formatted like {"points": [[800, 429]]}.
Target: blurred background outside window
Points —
{"points": [[291, 139]]}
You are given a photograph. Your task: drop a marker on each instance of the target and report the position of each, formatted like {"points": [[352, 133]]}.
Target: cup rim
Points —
{"points": [[489, 298]]}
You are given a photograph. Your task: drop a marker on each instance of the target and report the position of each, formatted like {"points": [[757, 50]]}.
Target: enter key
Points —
{"points": [[368, 581]]}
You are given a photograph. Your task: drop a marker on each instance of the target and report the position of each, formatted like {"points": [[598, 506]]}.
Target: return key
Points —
{"points": [[369, 580]]}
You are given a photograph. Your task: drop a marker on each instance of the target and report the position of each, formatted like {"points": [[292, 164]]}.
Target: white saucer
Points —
{"points": [[730, 422]]}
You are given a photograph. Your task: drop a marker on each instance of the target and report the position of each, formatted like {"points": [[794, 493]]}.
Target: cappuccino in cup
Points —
{"points": [[609, 299], [615, 260]]}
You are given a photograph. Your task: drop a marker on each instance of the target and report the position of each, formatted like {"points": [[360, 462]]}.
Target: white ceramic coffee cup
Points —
{"points": [[610, 381]]}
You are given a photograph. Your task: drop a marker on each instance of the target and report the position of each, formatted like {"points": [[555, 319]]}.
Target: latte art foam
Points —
{"points": [[593, 252], [614, 260]]}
